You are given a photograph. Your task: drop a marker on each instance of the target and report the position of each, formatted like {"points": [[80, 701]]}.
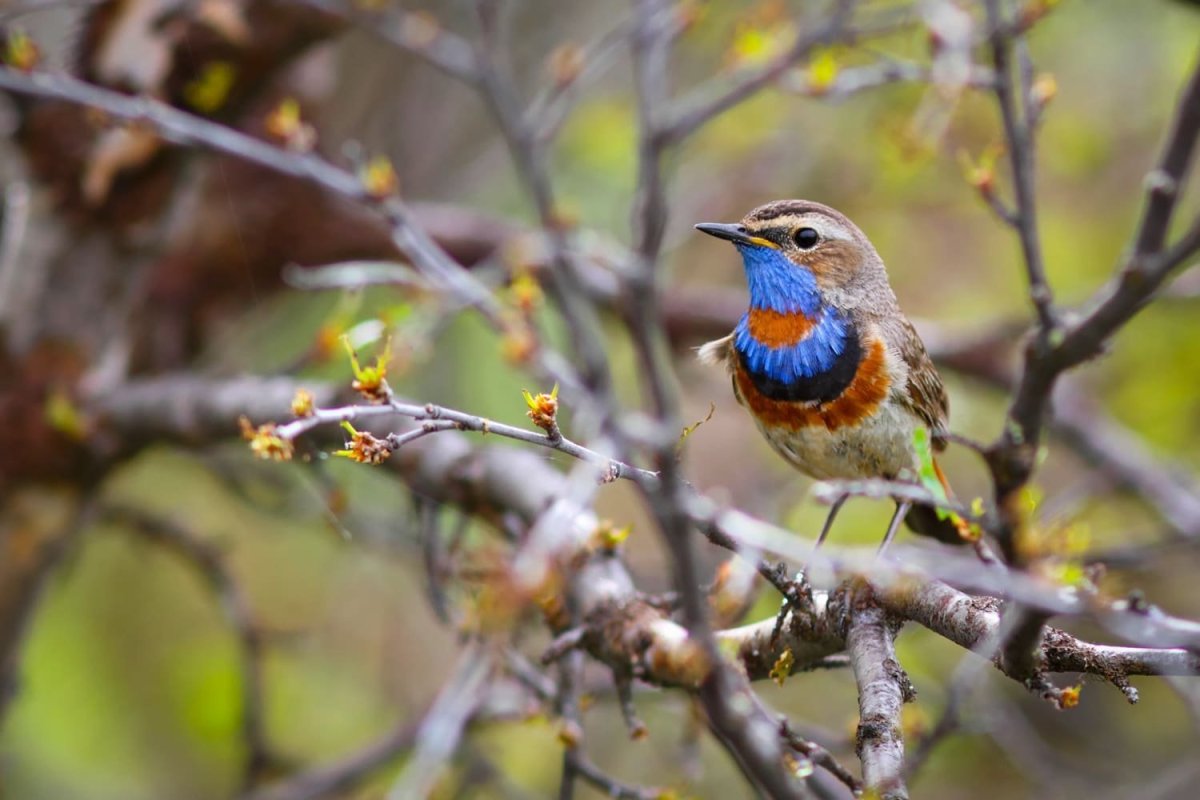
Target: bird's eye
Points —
{"points": [[806, 238]]}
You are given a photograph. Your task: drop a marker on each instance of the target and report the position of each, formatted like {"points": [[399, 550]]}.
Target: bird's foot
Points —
{"points": [[797, 595]]}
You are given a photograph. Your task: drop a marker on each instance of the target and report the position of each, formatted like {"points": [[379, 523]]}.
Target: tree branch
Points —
{"points": [[1019, 125], [693, 112], [1144, 270], [183, 128], [207, 559], [438, 734], [883, 688], [487, 478]]}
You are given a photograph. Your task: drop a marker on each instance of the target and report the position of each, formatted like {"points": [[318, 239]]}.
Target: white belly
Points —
{"points": [[878, 447]]}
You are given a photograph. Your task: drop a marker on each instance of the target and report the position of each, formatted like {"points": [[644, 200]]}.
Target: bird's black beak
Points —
{"points": [[733, 232]]}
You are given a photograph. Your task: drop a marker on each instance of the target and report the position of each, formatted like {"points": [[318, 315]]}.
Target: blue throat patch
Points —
{"points": [[777, 284], [820, 366]]}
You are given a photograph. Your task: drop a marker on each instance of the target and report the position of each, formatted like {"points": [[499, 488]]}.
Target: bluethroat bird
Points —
{"points": [[832, 371]]}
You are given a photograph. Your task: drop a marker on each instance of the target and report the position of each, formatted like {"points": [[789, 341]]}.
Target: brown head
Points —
{"points": [[840, 257]]}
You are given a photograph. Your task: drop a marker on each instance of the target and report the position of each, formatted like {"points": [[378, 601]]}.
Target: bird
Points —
{"points": [[833, 373]]}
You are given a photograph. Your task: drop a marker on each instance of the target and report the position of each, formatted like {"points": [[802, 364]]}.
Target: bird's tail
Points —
{"points": [[948, 528]]}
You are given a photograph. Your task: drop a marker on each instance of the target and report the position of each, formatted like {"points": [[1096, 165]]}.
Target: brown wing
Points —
{"points": [[924, 395]]}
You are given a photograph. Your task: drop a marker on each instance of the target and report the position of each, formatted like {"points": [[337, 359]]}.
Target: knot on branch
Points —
{"points": [[897, 674], [876, 730], [857, 597], [634, 639]]}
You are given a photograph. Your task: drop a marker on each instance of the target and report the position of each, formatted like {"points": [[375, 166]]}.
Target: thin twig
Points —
{"points": [[183, 128], [695, 111], [344, 773], [583, 326], [190, 410], [211, 563], [610, 786], [1146, 267], [821, 757], [580, 765], [440, 731], [32, 542], [412, 32], [550, 109], [1019, 130], [459, 420]]}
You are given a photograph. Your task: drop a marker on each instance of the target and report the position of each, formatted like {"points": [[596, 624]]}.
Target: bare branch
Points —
{"points": [[344, 773], [439, 732], [883, 688], [412, 32], [884, 72], [192, 411], [181, 127], [498, 91], [1122, 456], [968, 621], [808, 636], [1148, 264], [458, 420], [196, 411], [821, 757], [31, 545], [609, 786], [576, 762], [1021, 649], [550, 109], [260, 758], [505, 702], [706, 104], [1019, 130]]}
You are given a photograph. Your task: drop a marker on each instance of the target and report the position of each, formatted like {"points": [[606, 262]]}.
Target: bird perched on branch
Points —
{"points": [[832, 371]]}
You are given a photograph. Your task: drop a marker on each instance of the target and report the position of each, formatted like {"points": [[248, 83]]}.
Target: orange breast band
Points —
{"points": [[860, 399], [775, 329]]}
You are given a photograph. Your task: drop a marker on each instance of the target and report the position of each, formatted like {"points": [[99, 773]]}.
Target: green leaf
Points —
{"points": [[926, 470]]}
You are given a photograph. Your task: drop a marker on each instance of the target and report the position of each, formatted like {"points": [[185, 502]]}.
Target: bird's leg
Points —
{"points": [[828, 526], [791, 595], [787, 588], [902, 509], [797, 595]]}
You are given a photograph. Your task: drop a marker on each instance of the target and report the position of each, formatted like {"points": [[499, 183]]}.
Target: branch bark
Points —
{"points": [[883, 688], [1147, 266]]}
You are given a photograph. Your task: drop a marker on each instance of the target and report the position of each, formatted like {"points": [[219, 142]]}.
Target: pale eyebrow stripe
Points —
{"points": [[825, 226]]}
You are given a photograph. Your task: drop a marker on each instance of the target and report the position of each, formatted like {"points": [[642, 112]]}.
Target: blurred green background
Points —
{"points": [[129, 679]]}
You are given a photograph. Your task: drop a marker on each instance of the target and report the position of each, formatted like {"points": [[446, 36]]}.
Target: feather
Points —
{"points": [[717, 353], [924, 395]]}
